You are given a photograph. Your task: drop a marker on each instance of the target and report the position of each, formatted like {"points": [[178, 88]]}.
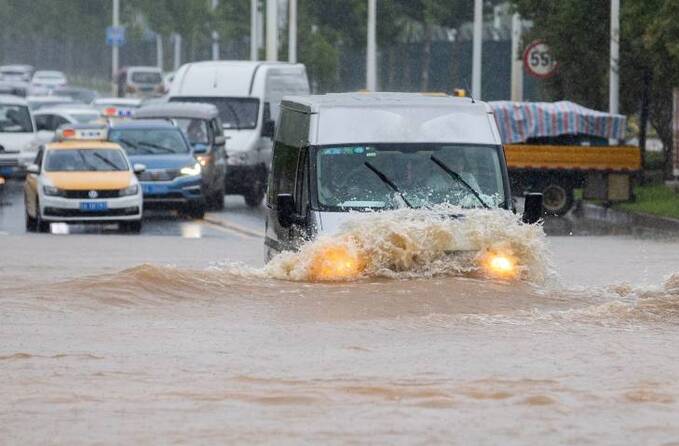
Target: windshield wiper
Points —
{"points": [[156, 146], [456, 176], [107, 161], [388, 182], [233, 112]]}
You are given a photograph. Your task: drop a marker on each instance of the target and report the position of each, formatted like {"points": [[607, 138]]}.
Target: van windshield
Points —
{"points": [[418, 175], [235, 113]]}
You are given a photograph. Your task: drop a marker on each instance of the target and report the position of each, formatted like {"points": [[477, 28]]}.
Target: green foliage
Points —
{"points": [[657, 200]]}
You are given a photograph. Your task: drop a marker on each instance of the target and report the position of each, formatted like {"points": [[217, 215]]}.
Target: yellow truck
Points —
{"points": [[555, 148]]}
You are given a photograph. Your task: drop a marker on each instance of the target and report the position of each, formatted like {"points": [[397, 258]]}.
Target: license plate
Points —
{"points": [[93, 206], [153, 189]]}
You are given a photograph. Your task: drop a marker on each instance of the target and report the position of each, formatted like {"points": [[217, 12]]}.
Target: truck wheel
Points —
{"points": [[557, 198]]}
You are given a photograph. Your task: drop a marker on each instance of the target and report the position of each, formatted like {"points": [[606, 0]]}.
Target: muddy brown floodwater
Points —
{"points": [[228, 354]]}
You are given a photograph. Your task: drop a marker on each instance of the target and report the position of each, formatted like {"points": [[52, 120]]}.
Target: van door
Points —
{"points": [[282, 181]]}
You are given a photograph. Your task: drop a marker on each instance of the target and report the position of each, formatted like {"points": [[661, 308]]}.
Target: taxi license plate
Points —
{"points": [[153, 189], [96, 206]]}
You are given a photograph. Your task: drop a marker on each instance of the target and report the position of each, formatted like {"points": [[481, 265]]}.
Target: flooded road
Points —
{"points": [[122, 339]]}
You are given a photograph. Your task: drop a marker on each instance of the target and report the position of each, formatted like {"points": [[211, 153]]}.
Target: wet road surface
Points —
{"points": [[161, 337]]}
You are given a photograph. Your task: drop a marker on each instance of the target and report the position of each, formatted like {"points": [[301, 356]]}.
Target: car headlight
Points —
{"points": [[52, 191], [191, 170], [132, 190]]}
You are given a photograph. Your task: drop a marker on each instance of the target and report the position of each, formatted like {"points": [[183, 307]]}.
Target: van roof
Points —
{"points": [[227, 78], [347, 118], [189, 110], [13, 100]]}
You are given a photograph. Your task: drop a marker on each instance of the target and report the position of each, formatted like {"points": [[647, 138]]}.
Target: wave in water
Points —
{"points": [[408, 243]]}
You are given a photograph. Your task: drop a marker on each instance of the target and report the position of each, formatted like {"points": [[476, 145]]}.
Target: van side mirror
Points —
{"points": [[220, 140], [532, 209], [285, 204], [268, 128]]}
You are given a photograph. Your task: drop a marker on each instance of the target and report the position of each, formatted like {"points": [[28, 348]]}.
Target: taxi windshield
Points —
{"points": [[149, 141], [415, 175], [85, 160]]}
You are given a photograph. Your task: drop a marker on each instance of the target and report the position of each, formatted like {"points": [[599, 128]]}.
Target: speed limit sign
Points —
{"points": [[538, 60]]}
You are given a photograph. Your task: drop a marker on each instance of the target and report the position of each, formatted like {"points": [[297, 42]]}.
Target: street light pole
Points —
{"points": [[272, 30], [292, 31], [253, 29], [517, 63], [371, 51], [114, 48], [215, 34], [476, 49], [614, 80]]}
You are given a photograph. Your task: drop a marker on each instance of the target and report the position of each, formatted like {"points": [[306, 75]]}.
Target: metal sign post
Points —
{"points": [[675, 133]]}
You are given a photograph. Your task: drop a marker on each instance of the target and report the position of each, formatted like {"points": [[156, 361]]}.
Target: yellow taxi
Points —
{"points": [[82, 178]]}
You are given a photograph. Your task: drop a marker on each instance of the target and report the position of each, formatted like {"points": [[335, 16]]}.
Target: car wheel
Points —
{"points": [[41, 226], [131, 226], [31, 224], [195, 210]]}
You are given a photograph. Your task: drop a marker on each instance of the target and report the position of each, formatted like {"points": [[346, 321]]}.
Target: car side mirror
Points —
{"points": [[33, 168], [45, 135], [139, 168], [285, 205], [532, 209], [268, 128], [220, 140]]}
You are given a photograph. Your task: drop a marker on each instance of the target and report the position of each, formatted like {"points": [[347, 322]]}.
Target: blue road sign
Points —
{"points": [[115, 35]]}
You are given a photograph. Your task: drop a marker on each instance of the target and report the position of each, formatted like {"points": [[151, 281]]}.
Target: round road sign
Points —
{"points": [[538, 60]]}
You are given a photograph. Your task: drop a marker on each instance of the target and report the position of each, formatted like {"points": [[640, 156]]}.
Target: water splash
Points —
{"points": [[407, 243]]}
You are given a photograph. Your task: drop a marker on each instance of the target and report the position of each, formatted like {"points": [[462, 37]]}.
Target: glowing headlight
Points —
{"points": [[335, 263], [191, 170], [500, 265], [52, 191], [132, 190]]}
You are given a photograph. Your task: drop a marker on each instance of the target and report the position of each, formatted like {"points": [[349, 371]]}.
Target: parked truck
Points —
{"points": [[555, 148]]}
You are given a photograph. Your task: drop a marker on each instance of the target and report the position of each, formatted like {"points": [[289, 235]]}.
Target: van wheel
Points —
{"points": [[254, 197], [557, 198]]}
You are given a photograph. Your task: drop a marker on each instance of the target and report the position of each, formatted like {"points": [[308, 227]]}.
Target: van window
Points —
{"points": [[302, 188], [141, 77], [283, 171], [347, 176], [235, 113]]}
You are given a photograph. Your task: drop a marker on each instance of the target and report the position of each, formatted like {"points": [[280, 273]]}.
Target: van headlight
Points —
{"points": [[132, 190], [52, 191], [191, 170]]}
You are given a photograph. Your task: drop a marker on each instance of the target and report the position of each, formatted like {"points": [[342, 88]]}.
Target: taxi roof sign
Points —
{"points": [[117, 112], [82, 132]]}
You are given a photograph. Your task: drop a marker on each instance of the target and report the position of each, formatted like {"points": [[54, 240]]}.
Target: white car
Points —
{"points": [[38, 102], [51, 118], [44, 82], [82, 178], [19, 138]]}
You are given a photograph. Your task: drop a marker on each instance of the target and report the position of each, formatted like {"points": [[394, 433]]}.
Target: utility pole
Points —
{"points": [[177, 38], [614, 80], [292, 31], [272, 30], [114, 48], [159, 51], [476, 49], [253, 30], [517, 62], [371, 51], [215, 34]]}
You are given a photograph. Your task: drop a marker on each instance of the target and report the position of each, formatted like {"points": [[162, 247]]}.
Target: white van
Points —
{"points": [[345, 152], [248, 96]]}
